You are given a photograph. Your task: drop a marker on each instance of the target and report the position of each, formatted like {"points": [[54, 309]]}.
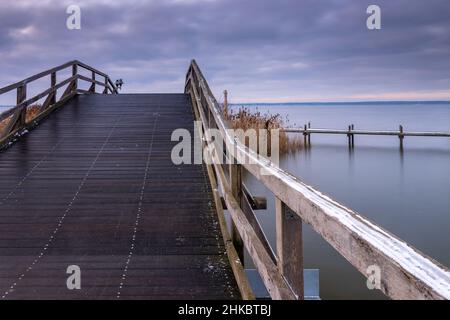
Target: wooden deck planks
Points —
{"points": [[73, 191]]}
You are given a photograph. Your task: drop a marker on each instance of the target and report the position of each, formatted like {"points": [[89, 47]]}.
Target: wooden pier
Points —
{"points": [[307, 131], [93, 185]]}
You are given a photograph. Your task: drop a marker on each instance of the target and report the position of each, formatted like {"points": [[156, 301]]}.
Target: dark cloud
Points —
{"points": [[260, 50]]}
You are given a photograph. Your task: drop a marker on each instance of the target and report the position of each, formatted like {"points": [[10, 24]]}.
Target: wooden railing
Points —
{"points": [[15, 117], [405, 273]]}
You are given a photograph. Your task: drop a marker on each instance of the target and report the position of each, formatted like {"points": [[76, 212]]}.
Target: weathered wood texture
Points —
{"points": [[73, 191], [290, 247], [243, 218], [16, 116], [235, 173], [406, 273]]}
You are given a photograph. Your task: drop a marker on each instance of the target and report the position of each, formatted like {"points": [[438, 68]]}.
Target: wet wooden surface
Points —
{"points": [[94, 186]]}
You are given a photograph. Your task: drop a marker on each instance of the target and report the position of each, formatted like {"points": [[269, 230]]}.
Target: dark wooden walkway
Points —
{"points": [[94, 186]]}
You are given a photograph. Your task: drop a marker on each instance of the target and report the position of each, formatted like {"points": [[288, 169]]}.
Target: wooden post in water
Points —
{"points": [[305, 135], [225, 102], [401, 136], [236, 189], [349, 137], [289, 240], [309, 135], [353, 136]]}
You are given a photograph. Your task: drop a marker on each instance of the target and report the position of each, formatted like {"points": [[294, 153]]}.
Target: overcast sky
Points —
{"points": [[260, 50]]}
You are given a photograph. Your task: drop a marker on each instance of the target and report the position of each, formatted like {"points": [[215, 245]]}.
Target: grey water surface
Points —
{"points": [[407, 193]]}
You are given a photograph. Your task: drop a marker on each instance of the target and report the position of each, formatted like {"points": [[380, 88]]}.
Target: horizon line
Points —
{"points": [[343, 102]]}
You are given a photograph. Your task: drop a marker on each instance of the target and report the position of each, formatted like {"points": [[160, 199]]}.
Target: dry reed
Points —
{"points": [[244, 118], [32, 112]]}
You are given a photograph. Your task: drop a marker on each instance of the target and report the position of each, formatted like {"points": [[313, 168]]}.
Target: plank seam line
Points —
{"points": [[67, 211], [213, 212], [139, 211], [21, 182]]}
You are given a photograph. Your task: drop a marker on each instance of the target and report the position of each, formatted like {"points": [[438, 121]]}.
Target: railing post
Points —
{"points": [[21, 97], [290, 247], [51, 98], [92, 88], [235, 171], [106, 86], [21, 94], [74, 73], [53, 84]]}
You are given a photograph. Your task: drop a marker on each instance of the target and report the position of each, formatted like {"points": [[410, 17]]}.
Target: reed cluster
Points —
{"points": [[32, 112], [244, 118]]}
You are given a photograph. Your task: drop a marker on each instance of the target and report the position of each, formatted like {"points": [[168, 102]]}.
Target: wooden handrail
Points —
{"points": [[54, 70], [36, 77], [87, 79], [16, 116], [85, 66], [406, 273]]}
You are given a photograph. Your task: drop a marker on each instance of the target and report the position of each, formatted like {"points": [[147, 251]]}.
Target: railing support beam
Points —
{"points": [[409, 275], [92, 88], [16, 117], [105, 91], [289, 241], [74, 73], [235, 171], [22, 97], [53, 84]]}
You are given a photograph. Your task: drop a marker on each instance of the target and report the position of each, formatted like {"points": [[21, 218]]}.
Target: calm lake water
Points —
{"points": [[407, 193]]}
